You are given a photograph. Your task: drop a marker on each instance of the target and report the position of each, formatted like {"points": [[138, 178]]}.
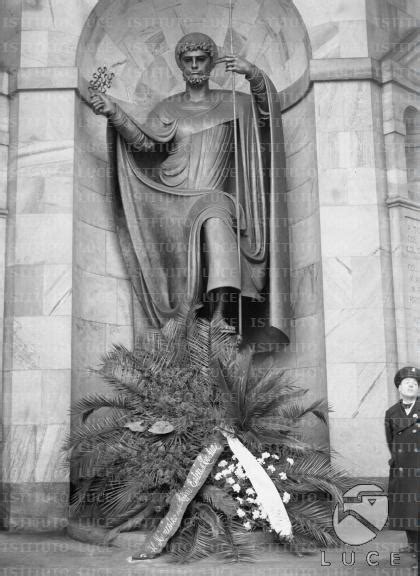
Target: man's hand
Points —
{"points": [[235, 64], [101, 104]]}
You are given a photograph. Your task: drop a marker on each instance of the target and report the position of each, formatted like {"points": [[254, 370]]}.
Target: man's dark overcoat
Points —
{"points": [[402, 434]]}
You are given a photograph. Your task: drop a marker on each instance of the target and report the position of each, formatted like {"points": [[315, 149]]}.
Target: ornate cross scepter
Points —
{"points": [[238, 207], [101, 80]]}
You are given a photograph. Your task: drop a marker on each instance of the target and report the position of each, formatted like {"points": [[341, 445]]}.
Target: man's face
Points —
{"points": [[196, 67], [409, 387]]}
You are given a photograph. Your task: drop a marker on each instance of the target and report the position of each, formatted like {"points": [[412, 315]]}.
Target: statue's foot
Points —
{"points": [[136, 558]]}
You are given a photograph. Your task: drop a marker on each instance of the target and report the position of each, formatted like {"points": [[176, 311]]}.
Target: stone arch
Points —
{"points": [[277, 41]]}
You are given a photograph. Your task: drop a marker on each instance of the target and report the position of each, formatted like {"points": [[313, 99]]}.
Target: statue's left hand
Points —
{"points": [[235, 64]]}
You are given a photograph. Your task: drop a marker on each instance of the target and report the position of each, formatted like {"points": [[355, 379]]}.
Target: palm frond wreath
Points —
{"points": [[133, 450]]}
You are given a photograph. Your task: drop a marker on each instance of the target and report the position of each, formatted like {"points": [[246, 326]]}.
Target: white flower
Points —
{"points": [[291, 461], [222, 463], [255, 514], [265, 455], [231, 468], [230, 481], [250, 491], [236, 488], [275, 457], [239, 499], [234, 458], [260, 460], [225, 472], [286, 497], [218, 476], [283, 476], [263, 514], [251, 500], [271, 468], [241, 513], [247, 525]]}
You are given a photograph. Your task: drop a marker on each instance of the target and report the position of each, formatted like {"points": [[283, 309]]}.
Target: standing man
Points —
{"points": [[402, 425]]}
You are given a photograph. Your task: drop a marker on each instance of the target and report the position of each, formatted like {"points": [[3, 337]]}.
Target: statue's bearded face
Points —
{"points": [[196, 67]]}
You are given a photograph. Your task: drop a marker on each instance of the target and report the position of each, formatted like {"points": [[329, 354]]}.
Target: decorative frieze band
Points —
{"points": [[330, 69], [58, 78], [402, 202]]}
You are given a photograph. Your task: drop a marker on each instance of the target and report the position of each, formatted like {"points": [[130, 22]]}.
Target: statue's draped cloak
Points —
{"points": [[162, 201]]}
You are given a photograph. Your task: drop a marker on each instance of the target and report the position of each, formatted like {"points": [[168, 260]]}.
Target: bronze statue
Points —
{"points": [[175, 187]]}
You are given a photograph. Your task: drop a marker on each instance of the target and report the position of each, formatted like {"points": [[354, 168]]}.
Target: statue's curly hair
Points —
{"points": [[195, 41]]}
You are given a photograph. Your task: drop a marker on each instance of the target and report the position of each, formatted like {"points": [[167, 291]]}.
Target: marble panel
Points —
{"points": [[4, 112], [37, 15], [95, 209], [20, 453], [301, 166], [310, 349], [354, 335], [342, 378], [41, 343], [55, 396], [57, 290], [371, 283], [353, 39], [304, 242], [302, 202], [115, 265], [43, 238], [46, 159], [39, 195], [62, 46], [333, 186], [50, 459], [349, 231], [89, 249], [96, 298], [34, 49], [362, 186], [171, 26], [89, 344], [23, 396], [69, 16], [124, 303], [26, 296], [306, 290], [337, 283], [395, 151], [109, 54], [46, 116], [372, 384], [298, 126], [313, 12], [343, 106], [354, 457], [325, 40], [92, 172], [311, 378]]}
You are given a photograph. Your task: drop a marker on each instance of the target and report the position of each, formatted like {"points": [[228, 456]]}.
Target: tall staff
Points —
{"points": [[238, 208]]}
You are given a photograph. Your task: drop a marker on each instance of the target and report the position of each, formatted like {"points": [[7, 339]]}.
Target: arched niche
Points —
{"points": [[136, 41], [412, 152]]}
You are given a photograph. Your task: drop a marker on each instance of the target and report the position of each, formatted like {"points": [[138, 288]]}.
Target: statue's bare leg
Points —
{"points": [[223, 268], [220, 296]]}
